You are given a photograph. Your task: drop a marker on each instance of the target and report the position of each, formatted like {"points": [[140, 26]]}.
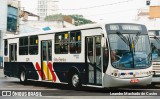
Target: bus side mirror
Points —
{"points": [[103, 42]]}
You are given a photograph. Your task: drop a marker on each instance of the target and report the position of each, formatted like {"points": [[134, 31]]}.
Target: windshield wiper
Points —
{"points": [[136, 38], [123, 38], [157, 39], [129, 42]]}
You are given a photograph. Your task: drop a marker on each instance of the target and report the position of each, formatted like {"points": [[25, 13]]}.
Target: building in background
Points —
{"points": [[3, 24], [150, 15], [29, 22], [8, 21], [12, 18], [47, 7]]}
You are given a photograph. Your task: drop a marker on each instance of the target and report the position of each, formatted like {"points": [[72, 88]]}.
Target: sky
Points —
{"points": [[95, 10]]}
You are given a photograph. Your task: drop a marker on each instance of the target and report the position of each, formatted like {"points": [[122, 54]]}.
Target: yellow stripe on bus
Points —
{"points": [[46, 71]]}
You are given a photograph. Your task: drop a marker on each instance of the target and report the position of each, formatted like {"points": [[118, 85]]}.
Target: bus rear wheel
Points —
{"points": [[75, 81], [23, 77]]}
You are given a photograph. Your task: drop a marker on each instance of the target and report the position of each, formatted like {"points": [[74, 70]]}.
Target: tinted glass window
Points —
{"points": [[61, 43], [33, 46], [23, 46], [75, 42]]}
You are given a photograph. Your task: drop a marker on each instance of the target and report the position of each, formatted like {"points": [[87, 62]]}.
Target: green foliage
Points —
{"points": [[54, 17], [80, 20]]}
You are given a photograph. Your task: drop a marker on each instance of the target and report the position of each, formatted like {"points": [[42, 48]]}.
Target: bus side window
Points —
{"points": [[75, 42], [105, 57], [23, 46], [33, 45], [61, 43]]}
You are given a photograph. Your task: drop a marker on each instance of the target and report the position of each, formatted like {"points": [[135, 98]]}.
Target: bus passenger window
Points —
{"points": [[33, 45], [75, 42], [61, 43], [23, 46]]}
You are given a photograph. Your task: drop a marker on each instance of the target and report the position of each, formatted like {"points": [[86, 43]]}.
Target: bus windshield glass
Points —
{"points": [[129, 50], [155, 46]]}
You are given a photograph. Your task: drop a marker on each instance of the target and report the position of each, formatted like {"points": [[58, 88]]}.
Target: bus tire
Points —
{"points": [[75, 81], [152, 85], [22, 77]]}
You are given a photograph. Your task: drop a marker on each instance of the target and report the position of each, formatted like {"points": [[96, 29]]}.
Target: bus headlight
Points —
{"points": [[150, 73]]}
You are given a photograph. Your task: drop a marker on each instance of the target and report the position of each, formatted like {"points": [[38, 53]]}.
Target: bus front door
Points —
{"points": [[94, 60], [46, 52], [13, 52]]}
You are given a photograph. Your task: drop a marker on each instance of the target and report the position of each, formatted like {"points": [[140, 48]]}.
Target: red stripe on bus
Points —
{"points": [[51, 70], [41, 73]]}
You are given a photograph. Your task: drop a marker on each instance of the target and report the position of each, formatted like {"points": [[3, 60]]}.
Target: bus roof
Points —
{"points": [[54, 31], [87, 26]]}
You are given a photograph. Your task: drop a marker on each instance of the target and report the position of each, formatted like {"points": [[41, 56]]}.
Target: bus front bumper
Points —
{"points": [[110, 81]]}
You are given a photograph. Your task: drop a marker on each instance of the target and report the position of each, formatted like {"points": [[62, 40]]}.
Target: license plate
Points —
{"points": [[134, 81]]}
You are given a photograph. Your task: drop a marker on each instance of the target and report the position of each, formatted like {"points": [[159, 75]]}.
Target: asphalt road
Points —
{"points": [[63, 91]]}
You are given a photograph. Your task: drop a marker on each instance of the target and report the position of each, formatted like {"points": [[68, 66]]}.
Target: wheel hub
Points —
{"points": [[22, 76], [75, 80]]}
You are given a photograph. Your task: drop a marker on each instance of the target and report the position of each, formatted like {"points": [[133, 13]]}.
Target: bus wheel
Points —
{"points": [[152, 85], [75, 81], [23, 78]]}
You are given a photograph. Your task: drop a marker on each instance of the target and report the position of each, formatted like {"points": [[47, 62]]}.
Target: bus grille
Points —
{"points": [[156, 68]]}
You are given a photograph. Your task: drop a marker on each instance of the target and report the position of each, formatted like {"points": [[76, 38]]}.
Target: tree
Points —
{"points": [[55, 17], [80, 20]]}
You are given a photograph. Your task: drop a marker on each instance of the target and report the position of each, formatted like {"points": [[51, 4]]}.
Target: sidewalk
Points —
{"points": [[1, 73]]}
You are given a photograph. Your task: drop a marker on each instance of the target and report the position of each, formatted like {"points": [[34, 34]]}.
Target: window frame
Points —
{"points": [[75, 42], [63, 42], [33, 45], [23, 45]]}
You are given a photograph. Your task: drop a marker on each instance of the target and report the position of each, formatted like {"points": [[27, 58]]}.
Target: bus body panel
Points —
{"points": [[61, 63], [154, 39], [58, 68], [62, 69], [110, 81], [156, 71], [118, 78], [11, 71]]}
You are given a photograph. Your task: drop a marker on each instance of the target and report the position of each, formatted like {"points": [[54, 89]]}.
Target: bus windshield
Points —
{"points": [[129, 50], [155, 46]]}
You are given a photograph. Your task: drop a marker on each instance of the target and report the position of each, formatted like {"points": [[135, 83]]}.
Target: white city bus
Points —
{"points": [[98, 55], [154, 35]]}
